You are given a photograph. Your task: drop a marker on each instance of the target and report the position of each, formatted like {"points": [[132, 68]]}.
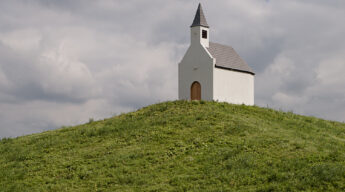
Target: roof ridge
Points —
{"points": [[222, 45]]}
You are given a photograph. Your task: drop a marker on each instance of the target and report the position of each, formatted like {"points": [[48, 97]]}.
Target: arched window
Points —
{"points": [[195, 91]]}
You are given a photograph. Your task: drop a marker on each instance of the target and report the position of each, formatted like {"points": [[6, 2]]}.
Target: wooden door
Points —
{"points": [[195, 91]]}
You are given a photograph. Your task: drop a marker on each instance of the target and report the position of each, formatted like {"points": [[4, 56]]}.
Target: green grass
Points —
{"points": [[181, 146]]}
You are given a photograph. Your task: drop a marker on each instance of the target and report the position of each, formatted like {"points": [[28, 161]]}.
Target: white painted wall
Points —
{"points": [[216, 84], [233, 87], [196, 36], [196, 65]]}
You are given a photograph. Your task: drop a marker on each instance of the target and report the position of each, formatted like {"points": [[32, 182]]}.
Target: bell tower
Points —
{"points": [[200, 32]]}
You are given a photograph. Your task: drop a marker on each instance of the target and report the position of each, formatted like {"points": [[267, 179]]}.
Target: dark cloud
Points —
{"points": [[63, 62]]}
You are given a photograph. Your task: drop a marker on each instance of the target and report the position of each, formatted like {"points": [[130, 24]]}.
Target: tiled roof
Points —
{"points": [[227, 58], [200, 19]]}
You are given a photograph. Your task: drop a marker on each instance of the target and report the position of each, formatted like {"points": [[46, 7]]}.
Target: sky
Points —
{"points": [[63, 62]]}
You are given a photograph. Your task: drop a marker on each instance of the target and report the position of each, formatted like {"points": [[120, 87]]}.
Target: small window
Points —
{"points": [[204, 34]]}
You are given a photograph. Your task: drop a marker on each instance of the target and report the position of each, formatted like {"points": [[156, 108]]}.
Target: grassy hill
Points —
{"points": [[181, 146]]}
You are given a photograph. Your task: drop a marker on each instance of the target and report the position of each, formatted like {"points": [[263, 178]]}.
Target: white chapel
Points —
{"points": [[211, 71]]}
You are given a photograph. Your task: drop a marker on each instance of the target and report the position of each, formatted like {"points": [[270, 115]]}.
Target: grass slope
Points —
{"points": [[181, 146]]}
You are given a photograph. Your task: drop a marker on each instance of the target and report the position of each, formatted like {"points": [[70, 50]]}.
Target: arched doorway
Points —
{"points": [[195, 91]]}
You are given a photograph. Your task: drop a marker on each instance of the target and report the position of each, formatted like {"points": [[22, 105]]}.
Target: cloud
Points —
{"points": [[296, 49], [62, 70], [63, 62]]}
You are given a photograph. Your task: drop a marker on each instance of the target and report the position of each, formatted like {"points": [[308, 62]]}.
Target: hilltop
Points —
{"points": [[181, 146]]}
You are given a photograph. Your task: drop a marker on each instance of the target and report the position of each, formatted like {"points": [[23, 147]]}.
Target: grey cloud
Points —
{"points": [[67, 61], [49, 76]]}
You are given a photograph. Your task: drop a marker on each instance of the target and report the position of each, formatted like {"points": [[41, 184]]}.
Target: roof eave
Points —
{"points": [[237, 70], [200, 26]]}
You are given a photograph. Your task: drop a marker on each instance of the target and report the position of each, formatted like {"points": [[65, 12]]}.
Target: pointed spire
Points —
{"points": [[200, 19]]}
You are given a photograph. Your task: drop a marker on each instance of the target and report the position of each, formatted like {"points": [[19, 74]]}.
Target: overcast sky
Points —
{"points": [[65, 61]]}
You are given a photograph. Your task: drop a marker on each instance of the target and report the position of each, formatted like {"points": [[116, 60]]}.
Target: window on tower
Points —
{"points": [[204, 34]]}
